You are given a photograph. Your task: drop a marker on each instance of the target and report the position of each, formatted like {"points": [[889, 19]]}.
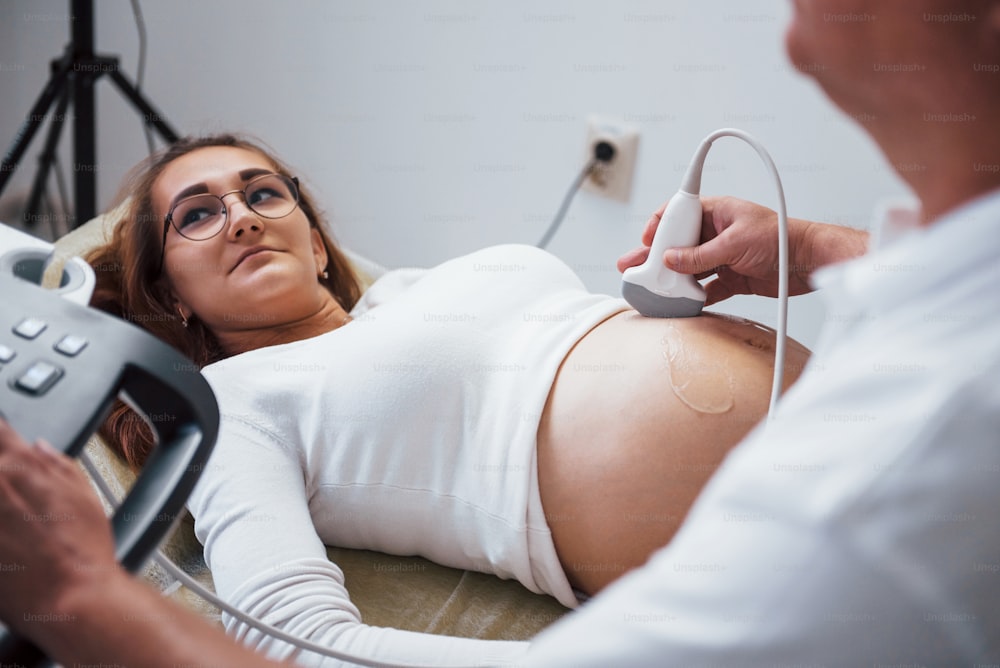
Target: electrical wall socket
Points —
{"points": [[612, 179]]}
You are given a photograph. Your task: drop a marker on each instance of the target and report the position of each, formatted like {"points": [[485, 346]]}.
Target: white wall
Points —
{"points": [[431, 128]]}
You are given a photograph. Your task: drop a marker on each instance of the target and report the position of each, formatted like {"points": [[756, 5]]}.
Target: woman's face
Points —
{"points": [[257, 273]]}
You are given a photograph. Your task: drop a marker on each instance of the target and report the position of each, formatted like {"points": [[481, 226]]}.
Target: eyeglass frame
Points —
{"points": [[168, 220]]}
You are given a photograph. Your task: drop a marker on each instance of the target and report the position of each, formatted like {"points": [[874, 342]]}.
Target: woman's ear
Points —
{"points": [[319, 251]]}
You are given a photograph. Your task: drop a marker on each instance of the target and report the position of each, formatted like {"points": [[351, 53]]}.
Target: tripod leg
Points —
{"points": [[85, 113], [149, 114], [32, 211], [33, 121]]}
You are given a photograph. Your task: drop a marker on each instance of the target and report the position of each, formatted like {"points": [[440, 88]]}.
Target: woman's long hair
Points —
{"points": [[131, 285]]}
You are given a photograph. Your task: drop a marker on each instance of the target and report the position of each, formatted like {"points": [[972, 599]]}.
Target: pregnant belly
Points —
{"points": [[641, 414]]}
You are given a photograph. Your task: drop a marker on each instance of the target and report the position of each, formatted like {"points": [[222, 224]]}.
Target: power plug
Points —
{"points": [[614, 145]]}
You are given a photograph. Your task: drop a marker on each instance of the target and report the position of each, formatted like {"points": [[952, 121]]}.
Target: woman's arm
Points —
{"points": [[252, 515]]}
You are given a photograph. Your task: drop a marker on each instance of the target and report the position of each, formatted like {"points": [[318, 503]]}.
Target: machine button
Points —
{"points": [[39, 377], [71, 345], [29, 328], [6, 353]]}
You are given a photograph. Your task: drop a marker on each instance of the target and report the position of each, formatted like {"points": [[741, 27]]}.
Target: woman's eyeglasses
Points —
{"points": [[201, 217]]}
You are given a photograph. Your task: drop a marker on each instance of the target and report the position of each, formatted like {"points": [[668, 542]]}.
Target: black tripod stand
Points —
{"points": [[72, 80]]}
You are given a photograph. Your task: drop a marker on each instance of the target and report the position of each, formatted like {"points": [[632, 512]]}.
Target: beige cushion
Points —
{"points": [[402, 592]]}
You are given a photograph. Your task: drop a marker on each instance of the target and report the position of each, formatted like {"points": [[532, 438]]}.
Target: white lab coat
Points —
{"points": [[861, 527]]}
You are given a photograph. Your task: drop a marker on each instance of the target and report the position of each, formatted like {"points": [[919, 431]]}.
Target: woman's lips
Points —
{"points": [[251, 252]]}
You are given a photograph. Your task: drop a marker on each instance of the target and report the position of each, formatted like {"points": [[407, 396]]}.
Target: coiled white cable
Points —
{"points": [[692, 184]]}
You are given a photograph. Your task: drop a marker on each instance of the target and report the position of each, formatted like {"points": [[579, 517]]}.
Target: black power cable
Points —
{"points": [[140, 25], [604, 153]]}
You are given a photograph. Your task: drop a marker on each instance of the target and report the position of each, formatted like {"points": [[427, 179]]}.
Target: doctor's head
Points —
{"points": [[919, 75], [218, 237], [892, 54]]}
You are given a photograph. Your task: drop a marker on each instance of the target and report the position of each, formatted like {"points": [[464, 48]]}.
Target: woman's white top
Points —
{"points": [[411, 431]]}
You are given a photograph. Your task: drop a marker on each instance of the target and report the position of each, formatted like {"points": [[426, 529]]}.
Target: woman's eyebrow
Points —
{"points": [[251, 172], [196, 189], [199, 188]]}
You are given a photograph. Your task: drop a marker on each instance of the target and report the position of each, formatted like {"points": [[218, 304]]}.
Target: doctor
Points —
{"points": [[857, 528], [861, 527]]}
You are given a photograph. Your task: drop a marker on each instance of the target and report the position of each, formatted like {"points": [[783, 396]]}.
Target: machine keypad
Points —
{"points": [[40, 375]]}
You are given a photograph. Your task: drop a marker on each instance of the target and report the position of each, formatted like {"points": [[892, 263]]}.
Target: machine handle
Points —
{"points": [[147, 514], [162, 382]]}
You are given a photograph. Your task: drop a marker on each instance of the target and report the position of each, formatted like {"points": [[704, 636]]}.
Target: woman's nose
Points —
{"points": [[240, 217]]}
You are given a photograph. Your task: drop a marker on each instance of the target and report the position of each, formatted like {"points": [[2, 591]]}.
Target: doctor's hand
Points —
{"points": [[61, 587], [55, 541], [739, 245]]}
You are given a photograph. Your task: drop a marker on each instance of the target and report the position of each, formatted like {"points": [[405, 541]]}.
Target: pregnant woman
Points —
{"points": [[488, 414]]}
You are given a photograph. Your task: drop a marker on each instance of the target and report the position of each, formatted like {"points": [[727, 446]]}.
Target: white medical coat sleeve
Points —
{"points": [[252, 516], [847, 533]]}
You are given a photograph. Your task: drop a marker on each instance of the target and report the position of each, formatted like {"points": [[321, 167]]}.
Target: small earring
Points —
{"points": [[184, 321], [326, 275]]}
